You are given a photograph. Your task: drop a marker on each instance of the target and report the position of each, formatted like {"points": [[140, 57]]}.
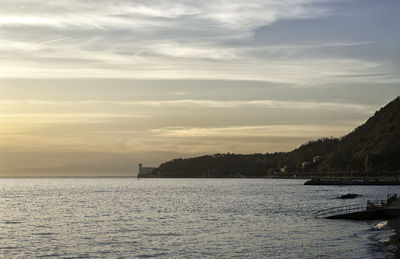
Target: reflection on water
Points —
{"points": [[253, 218]]}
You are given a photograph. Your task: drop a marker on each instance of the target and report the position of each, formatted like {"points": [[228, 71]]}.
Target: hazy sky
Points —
{"points": [[94, 87]]}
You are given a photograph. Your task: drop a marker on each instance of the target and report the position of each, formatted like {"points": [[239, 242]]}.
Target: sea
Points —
{"points": [[184, 218]]}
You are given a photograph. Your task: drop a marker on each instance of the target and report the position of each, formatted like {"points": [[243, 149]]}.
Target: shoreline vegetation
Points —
{"points": [[371, 151]]}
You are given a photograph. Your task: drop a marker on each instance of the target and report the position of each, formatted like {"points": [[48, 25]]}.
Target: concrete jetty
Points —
{"points": [[352, 181], [371, 210]]}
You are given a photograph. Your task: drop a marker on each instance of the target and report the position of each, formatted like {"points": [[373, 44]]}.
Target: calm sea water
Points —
{"points": [[191, 218]]}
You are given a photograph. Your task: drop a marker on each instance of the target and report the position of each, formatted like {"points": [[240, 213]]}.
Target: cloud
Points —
{"points": [[8, 105], [54, 40], [309, 131], [169, 40], [285, 73], [63, 117], [105, 14]]}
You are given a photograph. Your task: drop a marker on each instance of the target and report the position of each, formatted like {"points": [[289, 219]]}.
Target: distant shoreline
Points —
{"points": [[300, 177], [353, 181], [66, 177]]}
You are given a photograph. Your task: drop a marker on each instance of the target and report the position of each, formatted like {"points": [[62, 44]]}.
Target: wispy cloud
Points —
{"points": [[268, 104], [309, 131], [237, 14], [63, 117], [54, 40], [171, 39]]}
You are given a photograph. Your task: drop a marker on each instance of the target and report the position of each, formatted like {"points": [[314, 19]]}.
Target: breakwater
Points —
{"points": [[352, 181]]}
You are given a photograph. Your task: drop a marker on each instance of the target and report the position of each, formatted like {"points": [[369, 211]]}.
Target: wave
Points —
{"points": [[380, 225]]}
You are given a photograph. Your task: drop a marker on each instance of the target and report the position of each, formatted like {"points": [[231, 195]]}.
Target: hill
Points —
{"points": [[372, 149]]}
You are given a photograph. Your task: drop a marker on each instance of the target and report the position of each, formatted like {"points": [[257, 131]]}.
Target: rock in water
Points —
{"points": [[349, 196]]}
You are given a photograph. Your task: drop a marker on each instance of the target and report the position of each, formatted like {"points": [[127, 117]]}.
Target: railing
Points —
{"points": [[346, 209]]}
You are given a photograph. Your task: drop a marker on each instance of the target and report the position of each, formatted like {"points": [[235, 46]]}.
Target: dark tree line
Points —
{"points": [[372, 149]]}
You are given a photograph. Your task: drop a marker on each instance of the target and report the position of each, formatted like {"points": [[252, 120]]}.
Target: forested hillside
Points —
{"points": [[372, 149]]}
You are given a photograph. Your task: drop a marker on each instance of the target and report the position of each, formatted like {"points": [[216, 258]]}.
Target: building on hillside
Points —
{"points": [[304, 164], [315, 159]]}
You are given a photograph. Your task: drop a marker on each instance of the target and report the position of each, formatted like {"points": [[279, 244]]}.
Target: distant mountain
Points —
{"points": [[372, 149]]}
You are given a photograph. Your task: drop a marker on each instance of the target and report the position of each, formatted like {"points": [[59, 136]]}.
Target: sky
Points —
{"points": [[94, 87]]}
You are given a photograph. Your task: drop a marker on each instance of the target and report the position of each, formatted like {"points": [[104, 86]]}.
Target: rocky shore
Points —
{"points": [[395, 239]]}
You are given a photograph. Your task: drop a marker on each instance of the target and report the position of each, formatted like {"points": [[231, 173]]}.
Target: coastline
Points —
{"points": [[394, 240]]}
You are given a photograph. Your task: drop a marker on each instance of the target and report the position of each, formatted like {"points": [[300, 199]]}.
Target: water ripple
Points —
{"points": [[189, 218]]}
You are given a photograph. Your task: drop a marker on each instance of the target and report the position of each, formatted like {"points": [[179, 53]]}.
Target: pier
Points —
{"points": [[370, 210], [352, 181]]}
